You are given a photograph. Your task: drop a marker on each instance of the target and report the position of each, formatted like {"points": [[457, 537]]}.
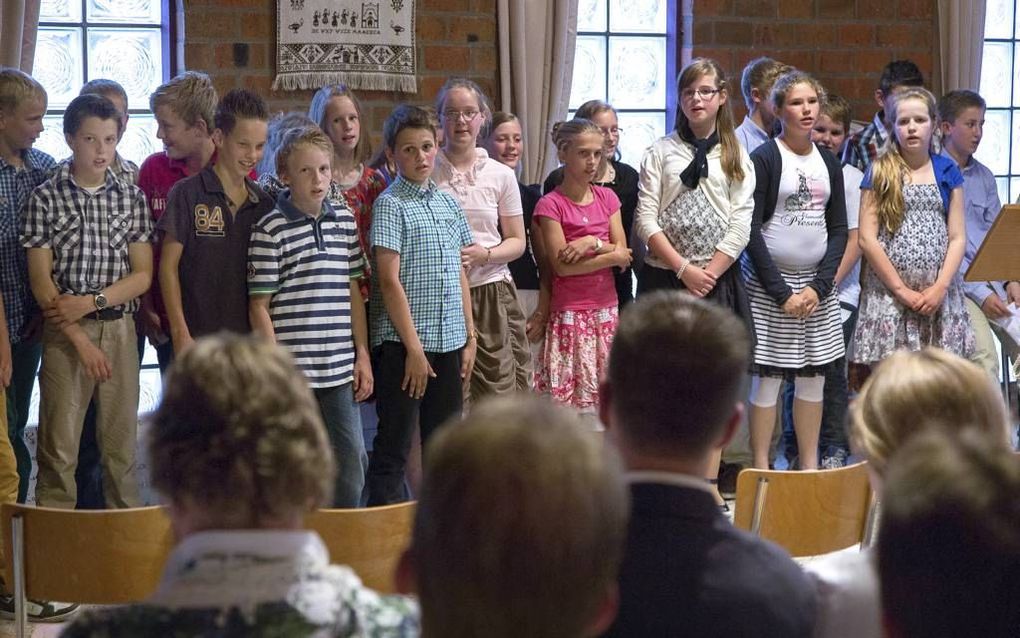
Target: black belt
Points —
{"points": [[106, 314]]}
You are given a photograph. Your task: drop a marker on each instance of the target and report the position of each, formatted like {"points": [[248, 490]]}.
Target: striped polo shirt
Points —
{"points": [[307, 265]]}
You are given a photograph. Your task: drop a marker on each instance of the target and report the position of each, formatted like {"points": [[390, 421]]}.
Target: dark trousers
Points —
{"points": [[25, 359], [89, 474], [397, 412]]}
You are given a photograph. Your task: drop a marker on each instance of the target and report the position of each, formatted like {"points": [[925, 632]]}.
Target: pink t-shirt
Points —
{"points": [[596, 289], [486, 192]]}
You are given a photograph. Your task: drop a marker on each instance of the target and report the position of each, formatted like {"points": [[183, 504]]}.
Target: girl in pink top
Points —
{"points": [[584, 240]]}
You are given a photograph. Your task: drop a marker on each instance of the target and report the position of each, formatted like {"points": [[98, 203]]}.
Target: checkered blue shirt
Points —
{"points": [[16, 185], [428, 228], [88, 233], [863, 146]]}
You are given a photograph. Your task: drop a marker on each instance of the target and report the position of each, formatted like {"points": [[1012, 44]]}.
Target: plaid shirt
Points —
{"points": [[428, 228], [88, 233], [863, 146], [16, 185]]}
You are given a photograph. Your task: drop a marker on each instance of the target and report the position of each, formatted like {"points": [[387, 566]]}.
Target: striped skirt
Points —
{"points": [[788, 345]]}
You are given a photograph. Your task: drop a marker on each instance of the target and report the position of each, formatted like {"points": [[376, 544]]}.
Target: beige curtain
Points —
{"points": [[19, 21], [536, 66], [961, 41]]}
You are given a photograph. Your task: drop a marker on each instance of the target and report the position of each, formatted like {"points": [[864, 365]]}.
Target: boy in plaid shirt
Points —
{"points": [[87, 233]]}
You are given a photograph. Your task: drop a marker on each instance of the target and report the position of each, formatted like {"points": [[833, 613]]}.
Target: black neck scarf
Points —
{"points": [[698, 168]]}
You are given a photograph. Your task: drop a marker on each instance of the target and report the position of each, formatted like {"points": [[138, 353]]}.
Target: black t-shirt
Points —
{"points": [[524, 269], [214, 261]]}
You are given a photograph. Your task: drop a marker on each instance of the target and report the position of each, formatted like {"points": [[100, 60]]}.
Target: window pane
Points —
{"points": [[139, 139], [1003, 185], [637, 79], [58, 64], [995, 73], [637, 16], [591, 15], [133, 57], [1015, 148], [639, 131], [51, 140], [589, 71], [999, 18], [124, 11], [994, 149], [60, 11]]}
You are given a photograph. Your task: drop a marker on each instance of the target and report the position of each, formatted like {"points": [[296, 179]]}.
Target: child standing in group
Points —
{"points": [[961, 119], [423, 331], [304, 265], [913, 238], [696, 194], [487, 192], [89, 256], [504, 143], [798, 235], [208, 223], [584, 237], [756, 85], [337, 111], [617, 176]]}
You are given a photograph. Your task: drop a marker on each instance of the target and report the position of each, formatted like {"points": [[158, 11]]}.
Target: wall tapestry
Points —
{"points": [[365, 45]]}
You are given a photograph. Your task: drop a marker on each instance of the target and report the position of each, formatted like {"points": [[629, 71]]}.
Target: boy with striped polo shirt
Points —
{"points": [[304, 257], [89, 258], [423, 332]]}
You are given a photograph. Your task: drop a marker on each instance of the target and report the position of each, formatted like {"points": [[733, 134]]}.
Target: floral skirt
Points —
{"points": [[575, 355]]}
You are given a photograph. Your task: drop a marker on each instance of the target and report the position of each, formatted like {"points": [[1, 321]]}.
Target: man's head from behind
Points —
{"points": [[676, 370], [949, 543], [520, 526]]}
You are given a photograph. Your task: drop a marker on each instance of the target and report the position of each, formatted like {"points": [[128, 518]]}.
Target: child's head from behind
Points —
{"points": [[22, 107], [410, 136], [278, 126], [503, 140], [756, 84], [463, 109], [304, 164], [796, 100], [703, 93], [961, 121], [185, 110], [92, 129], [538, 543], [911, 392], [581, 147], [833, 123], [337, 111], [113, 91], [238, 441], [896, 75], [241, 129], [604, 116]]}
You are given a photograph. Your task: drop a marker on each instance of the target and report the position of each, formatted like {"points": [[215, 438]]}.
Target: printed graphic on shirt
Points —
{"points": [[806, 205], [209, 222]]}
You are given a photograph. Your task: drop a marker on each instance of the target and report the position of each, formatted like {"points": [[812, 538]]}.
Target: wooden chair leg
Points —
{"points": [[759, 505]]}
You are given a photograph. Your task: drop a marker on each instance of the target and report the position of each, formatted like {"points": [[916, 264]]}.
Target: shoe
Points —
{"points": [[39, 610], [728, 479], [834, 458]]}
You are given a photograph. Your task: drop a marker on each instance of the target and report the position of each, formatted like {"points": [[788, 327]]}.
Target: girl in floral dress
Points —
{"points": [[913, 238], [584, 239]]}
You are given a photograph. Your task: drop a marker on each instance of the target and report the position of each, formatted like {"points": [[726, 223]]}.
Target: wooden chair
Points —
{"points": [[810, 512], [101, 557], [368, 540]]}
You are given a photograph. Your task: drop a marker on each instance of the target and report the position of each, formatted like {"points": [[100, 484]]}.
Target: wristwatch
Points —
{"points": [[100, 301]]}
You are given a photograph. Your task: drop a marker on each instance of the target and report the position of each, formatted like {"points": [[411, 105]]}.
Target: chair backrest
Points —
{"points": [[101, 557], [808, 513], [369, 540]]}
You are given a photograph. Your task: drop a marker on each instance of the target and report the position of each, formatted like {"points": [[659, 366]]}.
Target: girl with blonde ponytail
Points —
{"points": [[912, 235]]}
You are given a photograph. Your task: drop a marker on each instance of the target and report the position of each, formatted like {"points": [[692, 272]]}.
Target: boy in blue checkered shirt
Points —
{"points": [[422, 328], [87, 235]]}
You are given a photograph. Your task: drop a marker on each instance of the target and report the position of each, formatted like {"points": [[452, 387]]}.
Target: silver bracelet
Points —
{"points": [[680, 273]]}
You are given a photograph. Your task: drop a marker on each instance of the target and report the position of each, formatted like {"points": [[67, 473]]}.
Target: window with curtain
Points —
{"points": [[1000, 86], [626, 55], [83, 40]]}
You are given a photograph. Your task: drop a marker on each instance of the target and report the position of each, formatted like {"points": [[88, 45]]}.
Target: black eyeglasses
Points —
{"points": [[704, 94]]}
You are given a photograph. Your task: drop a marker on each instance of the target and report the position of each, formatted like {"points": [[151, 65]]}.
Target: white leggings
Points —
{"points": [[765, 390]]}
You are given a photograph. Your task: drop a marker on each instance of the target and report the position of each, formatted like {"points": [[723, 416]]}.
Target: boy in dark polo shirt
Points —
{"points": [[207, 225]]}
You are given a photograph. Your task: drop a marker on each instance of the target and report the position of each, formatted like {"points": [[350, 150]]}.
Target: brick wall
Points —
{"points": [[233, 41], [844, 43]]}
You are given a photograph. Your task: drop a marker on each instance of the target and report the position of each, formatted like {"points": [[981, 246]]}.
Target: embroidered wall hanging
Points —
{"points": [[363, 44]]}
